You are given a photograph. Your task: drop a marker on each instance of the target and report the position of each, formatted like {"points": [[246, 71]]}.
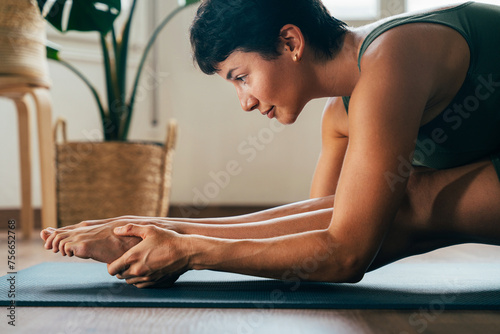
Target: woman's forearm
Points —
{"points": [[277, 212], [314, 256], [290, 224]]}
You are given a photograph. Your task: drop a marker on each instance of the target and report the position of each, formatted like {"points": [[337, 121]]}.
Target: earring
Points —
{"points": [[295, 58]]}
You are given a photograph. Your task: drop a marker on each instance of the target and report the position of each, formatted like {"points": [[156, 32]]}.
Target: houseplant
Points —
{"points": [[114, 177], [99, 16]]}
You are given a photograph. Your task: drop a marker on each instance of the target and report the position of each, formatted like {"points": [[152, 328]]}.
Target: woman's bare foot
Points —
{"points": [[44, 234], [95, 240]]}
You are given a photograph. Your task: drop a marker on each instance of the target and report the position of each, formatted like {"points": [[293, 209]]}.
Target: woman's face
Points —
{"points": [[271, 86]]}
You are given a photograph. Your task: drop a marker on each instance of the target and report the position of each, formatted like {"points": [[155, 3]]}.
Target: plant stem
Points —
{"points": [[122, 56], [151, 41], [110, 130], [116, 48], [87, 82], [118, 79]]}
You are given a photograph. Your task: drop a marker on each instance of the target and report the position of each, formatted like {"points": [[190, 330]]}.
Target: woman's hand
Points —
{"points": [[95, 239], [157, 261]]}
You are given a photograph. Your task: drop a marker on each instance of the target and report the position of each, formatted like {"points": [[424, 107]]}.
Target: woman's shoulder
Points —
{"points": [[419, 37], [410, 30], [417, 52]]}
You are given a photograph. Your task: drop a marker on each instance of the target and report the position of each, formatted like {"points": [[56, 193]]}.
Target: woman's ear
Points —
{"points": [[293, 41]]}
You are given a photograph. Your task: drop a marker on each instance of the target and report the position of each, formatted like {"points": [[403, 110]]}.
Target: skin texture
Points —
{"points": [[355, 221]]}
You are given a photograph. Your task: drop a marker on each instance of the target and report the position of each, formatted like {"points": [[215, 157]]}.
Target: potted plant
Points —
{"points": [[99, 16], [115, 177]]}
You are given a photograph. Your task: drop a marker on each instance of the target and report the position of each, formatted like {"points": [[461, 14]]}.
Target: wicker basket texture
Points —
{"points": [[22, 42], [97, 180]]}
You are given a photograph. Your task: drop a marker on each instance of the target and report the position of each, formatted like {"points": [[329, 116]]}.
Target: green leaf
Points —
{"points": [[52, 50], [81, 15], [185, 3]]}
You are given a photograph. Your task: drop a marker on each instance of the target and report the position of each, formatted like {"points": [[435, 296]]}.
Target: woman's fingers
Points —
{"points": [[127, 265], [154, 281], [133, 230], [136, 280], [148, 264], [156, 285], [122, 264]]}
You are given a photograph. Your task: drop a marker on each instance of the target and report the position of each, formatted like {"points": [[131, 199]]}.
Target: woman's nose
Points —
{"points": [[248, 102]]}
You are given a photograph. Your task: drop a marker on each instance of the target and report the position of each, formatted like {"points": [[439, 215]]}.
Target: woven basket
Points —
{"points": [[97, 180], [22, 42]]}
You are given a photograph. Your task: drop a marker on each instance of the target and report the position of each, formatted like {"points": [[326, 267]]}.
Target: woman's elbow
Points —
{"points": [[346, 270], [342, 264], [353, 269]]}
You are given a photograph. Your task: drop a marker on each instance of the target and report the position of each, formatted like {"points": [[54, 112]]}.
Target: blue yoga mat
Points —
{"points": [[434, 286]]}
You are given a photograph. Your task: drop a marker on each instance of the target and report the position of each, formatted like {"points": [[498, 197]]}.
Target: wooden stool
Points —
{"points": [[20, 94]]}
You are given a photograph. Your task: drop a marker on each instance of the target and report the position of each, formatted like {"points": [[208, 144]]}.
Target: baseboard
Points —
{"points": [[180, 211], [15, 214]]}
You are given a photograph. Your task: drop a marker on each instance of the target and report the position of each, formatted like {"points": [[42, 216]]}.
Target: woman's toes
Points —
{"points": [[44, 234]]}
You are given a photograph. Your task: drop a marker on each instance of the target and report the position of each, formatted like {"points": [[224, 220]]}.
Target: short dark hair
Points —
{"points": [[224, 26]]}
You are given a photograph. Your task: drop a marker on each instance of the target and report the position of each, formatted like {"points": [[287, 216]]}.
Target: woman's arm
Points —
{"points": [[310, 256], [334, 143], [314, 255]]}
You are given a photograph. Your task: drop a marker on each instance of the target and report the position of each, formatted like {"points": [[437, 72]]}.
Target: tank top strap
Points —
{"points": [[431, 17]]}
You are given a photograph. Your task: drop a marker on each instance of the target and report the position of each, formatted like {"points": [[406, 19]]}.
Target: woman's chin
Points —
{"points": [[287, 119]]}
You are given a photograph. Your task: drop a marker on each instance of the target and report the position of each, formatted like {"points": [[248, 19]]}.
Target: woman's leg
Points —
{"points": [[309, 205], [444, 208]]}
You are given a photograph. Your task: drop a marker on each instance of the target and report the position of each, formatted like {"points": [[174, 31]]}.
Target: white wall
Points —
{"points": [[214, 131]]}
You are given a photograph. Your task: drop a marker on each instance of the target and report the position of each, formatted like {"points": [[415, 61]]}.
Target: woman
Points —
{"points": [[409, 137]]}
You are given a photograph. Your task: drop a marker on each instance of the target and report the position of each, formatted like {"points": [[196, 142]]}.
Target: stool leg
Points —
{"points": [[24, 122], [47, 156]]}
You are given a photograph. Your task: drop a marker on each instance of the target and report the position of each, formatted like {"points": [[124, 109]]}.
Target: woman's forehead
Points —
{"points": [[243, 57], [236, 60]]}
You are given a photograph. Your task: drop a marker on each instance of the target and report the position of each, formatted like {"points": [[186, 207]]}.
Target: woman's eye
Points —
{"points": [[243, 78]]}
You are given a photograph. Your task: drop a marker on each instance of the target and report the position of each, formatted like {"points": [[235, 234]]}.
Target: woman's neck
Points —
{"points": [[338, 76]]}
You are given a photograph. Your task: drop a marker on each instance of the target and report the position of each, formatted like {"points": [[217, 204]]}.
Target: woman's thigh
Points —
{"points": [[443, 208], [463, 201]]}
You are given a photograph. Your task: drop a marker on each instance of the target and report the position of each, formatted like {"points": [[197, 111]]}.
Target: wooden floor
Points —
{"points": [[245, 321]]}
